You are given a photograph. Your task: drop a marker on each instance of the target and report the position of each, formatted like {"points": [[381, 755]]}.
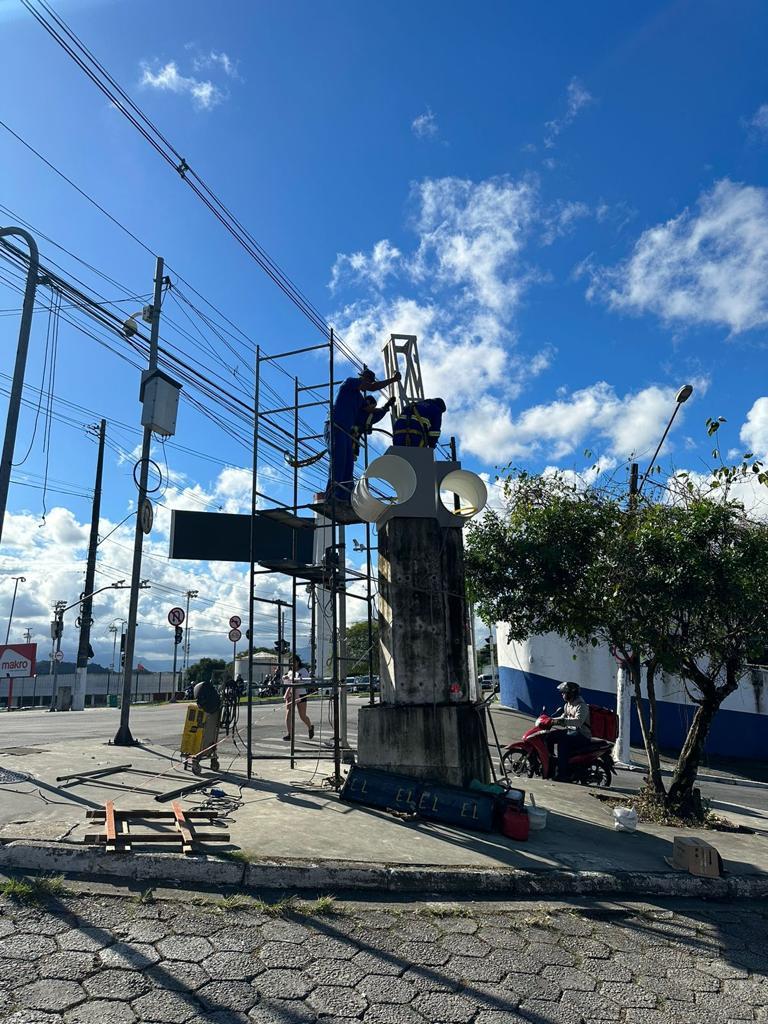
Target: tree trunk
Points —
{"points": [[683, 799], [648, 730]]}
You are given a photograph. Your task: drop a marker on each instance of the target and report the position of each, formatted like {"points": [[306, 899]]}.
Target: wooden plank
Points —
{"points": [[184, 827], [151, 812], [97, 838], [109, 817]]}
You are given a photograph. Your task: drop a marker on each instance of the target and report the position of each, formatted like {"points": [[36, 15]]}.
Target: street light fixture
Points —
{"points": [[681, 398], [18, 580]]}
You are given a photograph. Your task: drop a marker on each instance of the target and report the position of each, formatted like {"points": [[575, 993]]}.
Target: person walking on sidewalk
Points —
{"points": [[295, 682]]}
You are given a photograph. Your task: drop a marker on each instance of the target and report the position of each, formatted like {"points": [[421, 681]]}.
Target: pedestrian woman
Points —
{"points": [[295, 682]]}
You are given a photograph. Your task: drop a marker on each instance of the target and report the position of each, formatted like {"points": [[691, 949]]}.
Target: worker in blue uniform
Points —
{"points": [[370, 414], [347, 412], [419, 424]]}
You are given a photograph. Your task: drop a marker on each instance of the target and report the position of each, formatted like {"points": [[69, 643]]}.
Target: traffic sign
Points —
{"points": [[59, 655], [235, 622], [176, 616], [147, 516], [235, 635]]}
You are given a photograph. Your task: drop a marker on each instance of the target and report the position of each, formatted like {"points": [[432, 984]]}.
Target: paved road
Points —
{"points": [[113, 960]]}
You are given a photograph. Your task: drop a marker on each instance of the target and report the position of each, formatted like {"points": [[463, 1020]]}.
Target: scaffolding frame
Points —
{"points": [[332, 575]]}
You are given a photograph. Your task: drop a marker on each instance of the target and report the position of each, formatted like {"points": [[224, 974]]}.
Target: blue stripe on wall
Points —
{"points": [[733, 733]]}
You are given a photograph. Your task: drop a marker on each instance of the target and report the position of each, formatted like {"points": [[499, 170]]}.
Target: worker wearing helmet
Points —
{"points": [[370, 414], [572, 732], [347, 409]]}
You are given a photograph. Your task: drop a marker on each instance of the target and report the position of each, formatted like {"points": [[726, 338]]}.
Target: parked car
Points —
{"points": [[488, 681]]}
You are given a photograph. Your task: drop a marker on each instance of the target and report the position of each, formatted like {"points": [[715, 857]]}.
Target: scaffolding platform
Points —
{"points": [[339, 510], [287, 518], [300, 570]]}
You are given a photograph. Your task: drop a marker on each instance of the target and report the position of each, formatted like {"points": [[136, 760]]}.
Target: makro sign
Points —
{"points": [[17, 660]]}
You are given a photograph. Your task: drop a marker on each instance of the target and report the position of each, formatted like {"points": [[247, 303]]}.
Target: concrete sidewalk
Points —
{"points": [[290, 825]]}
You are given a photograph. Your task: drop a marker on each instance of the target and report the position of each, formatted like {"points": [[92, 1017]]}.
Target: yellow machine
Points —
{"points": [[199, 738]]}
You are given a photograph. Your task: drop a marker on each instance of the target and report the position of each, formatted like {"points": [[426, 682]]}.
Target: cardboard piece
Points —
{"points": [[696, 857]]}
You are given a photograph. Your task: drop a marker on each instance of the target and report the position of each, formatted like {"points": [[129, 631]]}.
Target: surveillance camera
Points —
{"points": [[130, 327]]}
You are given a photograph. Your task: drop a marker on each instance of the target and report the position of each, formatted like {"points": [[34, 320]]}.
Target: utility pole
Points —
{"points": [[28, 636], [57, 628], [81, 671], [14, 402], [621, 750], [17, 581], [185, 661], [123, 737]]}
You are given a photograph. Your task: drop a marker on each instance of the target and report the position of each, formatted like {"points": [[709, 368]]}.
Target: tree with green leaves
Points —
{"points": [[677, 584], [357, 648], [202, 671]]}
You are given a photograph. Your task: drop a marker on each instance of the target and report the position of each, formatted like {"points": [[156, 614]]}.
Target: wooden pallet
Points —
{"points": [[119, 837]]}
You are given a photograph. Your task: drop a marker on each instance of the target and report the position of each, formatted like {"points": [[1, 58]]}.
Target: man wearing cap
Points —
{"points": [[347, 412], [573, 730]]}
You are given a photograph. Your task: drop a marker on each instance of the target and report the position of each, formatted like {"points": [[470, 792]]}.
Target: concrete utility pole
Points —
{"points": [[621, 752], [123, 737], [28, 636], [17, 581], [81, 672], [57, 628], [191, 594], [14, 402]]}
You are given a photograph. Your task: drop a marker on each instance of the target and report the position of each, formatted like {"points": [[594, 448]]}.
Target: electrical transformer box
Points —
{"points": [[159, 397]]}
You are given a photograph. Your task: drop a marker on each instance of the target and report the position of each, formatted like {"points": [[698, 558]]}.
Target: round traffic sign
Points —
{"points": [[147, 516], [176, 616], [235, 622], [59, 655], [235, 635]]}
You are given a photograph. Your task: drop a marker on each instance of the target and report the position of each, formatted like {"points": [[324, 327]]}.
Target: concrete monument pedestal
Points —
{"points": [[438, 742]]}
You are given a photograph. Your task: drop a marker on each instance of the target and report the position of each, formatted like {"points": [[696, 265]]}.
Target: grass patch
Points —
{"points": [[442, 910], [280, 908], [34, 889], [234, 902], [323, 906], [145, 897], [236, 856]]}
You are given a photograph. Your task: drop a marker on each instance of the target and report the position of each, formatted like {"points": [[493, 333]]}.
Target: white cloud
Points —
{"points": [[754, 433], [214, 59], [425, 125], [383, 261], [562, 219], [759, 120], [205, 95], [577, 98], [708, 266], [628, 424]]}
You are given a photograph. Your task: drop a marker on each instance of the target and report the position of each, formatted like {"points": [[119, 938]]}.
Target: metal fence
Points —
{"points": [[101, 690]]}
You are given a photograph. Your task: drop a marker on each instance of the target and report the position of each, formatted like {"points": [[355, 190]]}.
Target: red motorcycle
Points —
{"points": [[593, 766]]}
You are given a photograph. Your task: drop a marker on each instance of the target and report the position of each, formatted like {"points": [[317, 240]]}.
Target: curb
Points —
{"points": [[354, 876]]}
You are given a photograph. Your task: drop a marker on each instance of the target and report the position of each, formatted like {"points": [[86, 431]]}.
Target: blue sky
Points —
{"points": [[566, 202]]}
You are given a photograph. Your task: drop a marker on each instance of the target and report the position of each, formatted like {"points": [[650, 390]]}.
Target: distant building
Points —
{"points": [[264, 664]]}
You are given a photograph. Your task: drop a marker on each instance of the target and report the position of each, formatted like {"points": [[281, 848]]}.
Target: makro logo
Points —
{"points": [[9, 666]]}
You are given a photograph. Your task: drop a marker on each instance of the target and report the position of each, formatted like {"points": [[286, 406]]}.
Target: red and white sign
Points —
{"points": [[235, 622], [17, 660], [176, 616]]}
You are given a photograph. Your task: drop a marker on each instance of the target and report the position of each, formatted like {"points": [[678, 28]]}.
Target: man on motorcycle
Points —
{"points": [[573, 732]]}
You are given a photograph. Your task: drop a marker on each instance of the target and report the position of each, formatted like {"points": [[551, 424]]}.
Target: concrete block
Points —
{"points": [[438, 742]]}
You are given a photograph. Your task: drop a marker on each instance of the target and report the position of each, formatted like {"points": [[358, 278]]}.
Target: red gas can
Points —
{"points": [[514, 823]]}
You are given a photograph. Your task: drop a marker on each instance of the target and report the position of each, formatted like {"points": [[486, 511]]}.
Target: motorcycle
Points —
{"points": [[530, 756]]}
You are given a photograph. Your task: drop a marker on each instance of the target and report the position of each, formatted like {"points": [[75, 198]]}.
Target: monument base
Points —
{"points": [[438, 742]]}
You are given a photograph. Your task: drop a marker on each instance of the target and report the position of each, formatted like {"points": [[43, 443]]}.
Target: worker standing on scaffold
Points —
{"points": [[371, 413], [347, 410], [419, 424]]}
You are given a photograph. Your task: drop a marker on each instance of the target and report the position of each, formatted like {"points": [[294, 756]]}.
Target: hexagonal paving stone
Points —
{"points": [[570, 978], [429, 954], [605, 970], [238, 939], [285, 931], [554, 956], [465, 945], [374, 963], [192, 948], [497, 1017], [284, 954], [501, 938], [68, 966], [233, 966], [129, 956], [592, 1005], [166, 1007], [376, 919], [414, 929], [491, 997], [281, 984], [51, 995], [13, 978], [111, 984], [458, 925], [431, 979], [323, 947], [146, 931], [177, 975], [470, 968], [379, 989], [532, 986], [628, 995], [537, 1012], [334, 972], [86, 940], [228, 995], [22, 946], [441, 1006], [388, 1013], [333, 1000], [33, 1017], [282, 1011], [100, 1011]]}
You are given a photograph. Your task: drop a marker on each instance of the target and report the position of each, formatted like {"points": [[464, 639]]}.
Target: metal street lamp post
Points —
{"points": [[18, 580]]}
